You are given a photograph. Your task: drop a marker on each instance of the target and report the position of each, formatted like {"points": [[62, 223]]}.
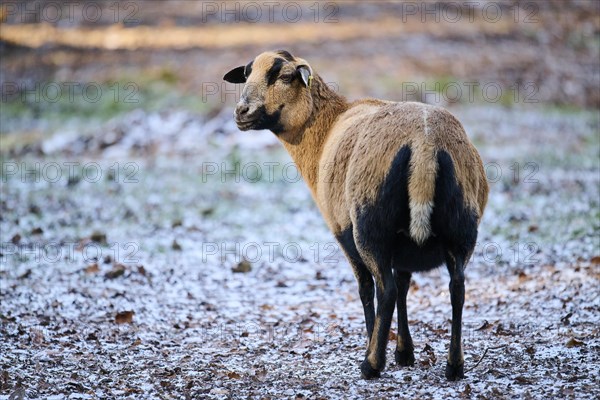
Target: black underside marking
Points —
{"points": [[273, 72], [385, 225]]}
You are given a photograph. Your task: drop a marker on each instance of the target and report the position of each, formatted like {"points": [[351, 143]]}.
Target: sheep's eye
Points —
{"points": [[286, 78]]}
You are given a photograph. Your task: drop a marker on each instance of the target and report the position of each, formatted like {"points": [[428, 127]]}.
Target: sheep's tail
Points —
{"points": [[421, 187]]}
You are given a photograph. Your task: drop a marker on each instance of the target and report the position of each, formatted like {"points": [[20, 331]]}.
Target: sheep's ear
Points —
{"points": [[236, 75], [305, 74]]}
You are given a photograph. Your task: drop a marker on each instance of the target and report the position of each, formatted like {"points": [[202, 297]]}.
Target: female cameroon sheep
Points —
{"points": [[399, 184]]}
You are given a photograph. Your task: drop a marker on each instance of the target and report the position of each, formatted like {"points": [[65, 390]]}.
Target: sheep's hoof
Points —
{"points": [[405, 358], [454, 372], [367, 371]]}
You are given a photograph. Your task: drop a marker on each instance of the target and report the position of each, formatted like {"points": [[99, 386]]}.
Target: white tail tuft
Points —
{"points": [[420, 214]]}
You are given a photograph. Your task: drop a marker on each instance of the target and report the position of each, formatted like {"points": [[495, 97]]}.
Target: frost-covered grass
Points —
{"points": [[181, 206]]}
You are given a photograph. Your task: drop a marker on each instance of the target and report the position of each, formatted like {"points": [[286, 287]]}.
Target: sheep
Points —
{"points": [[399, 184]]}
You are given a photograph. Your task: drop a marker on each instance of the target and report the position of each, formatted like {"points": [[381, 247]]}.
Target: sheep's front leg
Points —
{"points": [[455, 364], [374, 361], [404, 348]]}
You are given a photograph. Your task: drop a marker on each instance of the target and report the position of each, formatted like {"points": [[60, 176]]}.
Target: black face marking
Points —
{"points": [[268, 121], [387, 223], [248, 69], [274, 71], [286, 55]]}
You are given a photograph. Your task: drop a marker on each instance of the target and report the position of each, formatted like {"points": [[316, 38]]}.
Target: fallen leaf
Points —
{"points": [[242, 267], [117, 271], [595, 260], [392, 337], [37, 231], [483, 326], [522, 276], [260, 374], [175, 246], [208, 211], [98, 237], [566, 319], [124, 317], [574, 343], [16, 239], [233, 375], [92, 269], [467, 391], [523, 380], [25, 274]]}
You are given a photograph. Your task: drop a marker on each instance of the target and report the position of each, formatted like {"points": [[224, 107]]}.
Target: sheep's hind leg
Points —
{"points": [[455, 364], [366, 290], [380, 267], [404, 348]]}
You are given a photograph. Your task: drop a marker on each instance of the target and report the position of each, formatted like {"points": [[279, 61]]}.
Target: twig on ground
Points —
{"points": [[483, 355]]}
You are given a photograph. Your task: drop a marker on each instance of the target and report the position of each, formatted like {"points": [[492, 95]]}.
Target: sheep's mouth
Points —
{"points": [[245, 125]]}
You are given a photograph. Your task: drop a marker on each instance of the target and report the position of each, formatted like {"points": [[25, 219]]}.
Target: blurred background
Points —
{"points": [[149, 248]]}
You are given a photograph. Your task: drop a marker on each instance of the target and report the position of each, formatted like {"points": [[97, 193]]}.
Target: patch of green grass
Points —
{"points": [[53, 104]]}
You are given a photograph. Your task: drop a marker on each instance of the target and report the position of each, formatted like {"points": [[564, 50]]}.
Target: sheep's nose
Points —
{"points": [[242, 109]]}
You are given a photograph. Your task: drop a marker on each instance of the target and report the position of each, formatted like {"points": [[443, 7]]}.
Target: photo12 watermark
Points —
{"points": [[270, 11], [70, 92], [83, 251], [53, 12], [525, 252], [469, 11], [69, 172]]}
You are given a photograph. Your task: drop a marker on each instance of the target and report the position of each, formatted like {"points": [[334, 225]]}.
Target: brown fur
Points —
{"points": [[345, 151]]}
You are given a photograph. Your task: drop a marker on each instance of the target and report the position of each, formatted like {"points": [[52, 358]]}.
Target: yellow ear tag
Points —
{"points": [[310, 78]]}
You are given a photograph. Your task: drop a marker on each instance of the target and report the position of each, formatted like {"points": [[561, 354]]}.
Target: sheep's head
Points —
{"points": [[276, 95]]}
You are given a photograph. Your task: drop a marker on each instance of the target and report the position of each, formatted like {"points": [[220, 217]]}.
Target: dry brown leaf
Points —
{"points": [[523, 380], [124, 317], [117, 271], [233, 375], [25, 275], [574, 343], [98, 237], [92, 268], [16, 239], [243, 267]]}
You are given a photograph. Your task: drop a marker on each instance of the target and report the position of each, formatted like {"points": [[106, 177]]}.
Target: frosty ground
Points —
{"points": [[196, 265]]}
